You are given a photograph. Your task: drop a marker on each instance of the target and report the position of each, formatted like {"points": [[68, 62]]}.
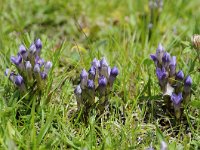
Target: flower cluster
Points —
{"points": [[174, 85], [31, 68], [95, 85]]}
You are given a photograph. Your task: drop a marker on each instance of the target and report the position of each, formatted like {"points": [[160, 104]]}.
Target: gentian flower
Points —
{"points": [[92, 73], [166, 60], [84, 78], [43, 75], [104, 68], [176, 100], [113, 74], [97, 82], [157, 58], [96, 63], [29, 71], [187, 89], [78, 92], [31, 67], [38, 45], [19, 82], [180, 75], [23, 52], [166, 73], [47, 66], [91, 92]]}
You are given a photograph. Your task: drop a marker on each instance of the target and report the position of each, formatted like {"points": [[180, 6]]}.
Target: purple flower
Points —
{"points": [[172, 66], [84, 78], [176, 98], [39, 61], [180, 75], [47, 66], [154, 58], [19, 80], [159, 52], [90, 84], [38, 44], [36, 68], [187, 85], [16, 60], [166, 60], [23, 52], [96, 63], [114, 71], [188, 81], [84, 74], [103, 62], [113, 74], [29, 70], [104, 68], [10, 74], [161, 73], [102, 81], [32, 49], [43, 75], [28, 65], [78, 93], [92, 73], [37, 75], [157, 58], [7, 72]]}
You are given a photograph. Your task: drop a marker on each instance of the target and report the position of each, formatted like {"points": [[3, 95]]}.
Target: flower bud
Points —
{"points": [[161, 73], [187, 85], [32, 49], [36, 68], [84, 78], [23, 52], [43, 75], [188, 81], [180, 75], [10, 74], [102, 81], [29, 71], [47, 66], [104, 68], [96, 63], [160, 52], [38, 76], [78, 92], [92, 73], [39, 61], [90, 84], [172, 66], [18, 62], [166, 60], [19, 81], [176, 99], [113, 74], [38, 44]]}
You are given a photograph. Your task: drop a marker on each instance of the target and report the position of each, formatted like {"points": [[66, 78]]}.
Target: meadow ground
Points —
{"points": [[73, 33]]}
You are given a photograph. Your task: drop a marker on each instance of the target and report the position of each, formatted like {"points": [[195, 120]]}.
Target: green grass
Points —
{"points": [[73, 33]]}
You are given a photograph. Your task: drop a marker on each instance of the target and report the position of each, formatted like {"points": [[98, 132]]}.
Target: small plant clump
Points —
{"points": [[31, 70], [176, 88], [95, 87]]}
